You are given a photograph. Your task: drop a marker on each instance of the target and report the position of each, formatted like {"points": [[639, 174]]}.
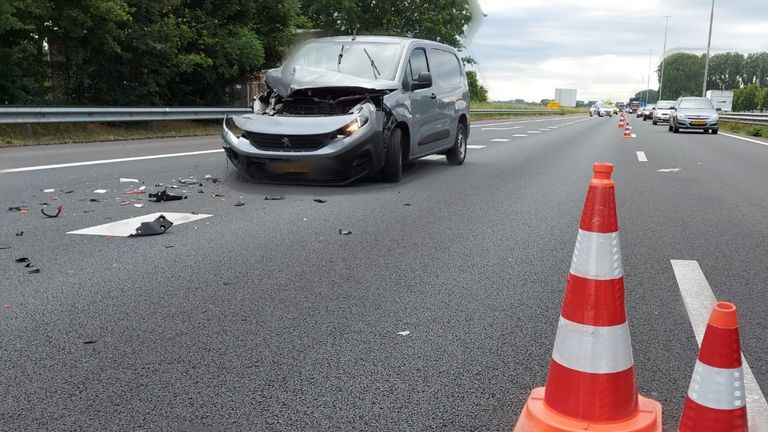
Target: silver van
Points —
{"points": [[343, 108]]}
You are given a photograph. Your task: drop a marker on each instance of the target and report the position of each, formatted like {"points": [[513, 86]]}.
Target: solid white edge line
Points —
{"points": [[106, 161], [500, 140], [699, 301], [744, 139], [641, 156]]}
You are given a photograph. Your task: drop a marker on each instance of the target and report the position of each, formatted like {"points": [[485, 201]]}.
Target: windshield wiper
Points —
{"points": [[341, 54], [373, 65]]}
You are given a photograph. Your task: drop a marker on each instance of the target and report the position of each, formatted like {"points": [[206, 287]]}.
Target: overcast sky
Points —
{"points": [[527, 48]]}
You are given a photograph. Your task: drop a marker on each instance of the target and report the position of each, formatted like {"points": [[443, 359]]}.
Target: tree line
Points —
{"points": [[183, 52]]}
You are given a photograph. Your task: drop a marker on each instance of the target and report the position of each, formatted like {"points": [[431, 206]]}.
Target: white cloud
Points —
{"points": [[526, 49]]}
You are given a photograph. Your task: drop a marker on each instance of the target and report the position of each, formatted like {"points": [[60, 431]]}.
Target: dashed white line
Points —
{"points": [[699, 300], [501, 128], [533, 132], [500, 140], [107, 161], [476, 146], [744, 139], [519, 135], [641, 156]]}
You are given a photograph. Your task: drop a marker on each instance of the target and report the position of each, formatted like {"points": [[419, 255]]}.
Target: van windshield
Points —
{"points": [[367, 60], [696, 103]]}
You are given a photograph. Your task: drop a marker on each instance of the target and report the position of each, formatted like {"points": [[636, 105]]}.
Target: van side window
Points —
{"points": [[445, 68], [417, 63]]}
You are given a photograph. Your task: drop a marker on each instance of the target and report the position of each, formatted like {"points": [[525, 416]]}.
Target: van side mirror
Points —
{"points": [[423, 81]]}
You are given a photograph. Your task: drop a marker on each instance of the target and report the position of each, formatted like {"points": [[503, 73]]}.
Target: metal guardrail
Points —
{"points": [[748, 118], [10, 115], [21, 115]]}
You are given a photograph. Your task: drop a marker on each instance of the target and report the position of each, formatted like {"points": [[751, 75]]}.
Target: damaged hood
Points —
{"points": [[285, 82], [291, 125]]}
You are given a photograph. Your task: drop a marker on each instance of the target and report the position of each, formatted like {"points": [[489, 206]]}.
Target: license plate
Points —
{"points": [[291, 167], [699, 123]]}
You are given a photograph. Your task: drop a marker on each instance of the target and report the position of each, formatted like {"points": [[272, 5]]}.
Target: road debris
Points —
{"points": [[188, 181], [138, 205], [139, 191], [163, 195], [274, 198], [100, 191], [320, 200], [4, 247], [155, 227], [55, 215], [94, 200], [20, 233], [88, 342], [344, 232], [35, 271], [668, 170], [239, 204], [404, 333], [22, 260], [49, 190], [129, 180], [407, 204], [18, 208]]}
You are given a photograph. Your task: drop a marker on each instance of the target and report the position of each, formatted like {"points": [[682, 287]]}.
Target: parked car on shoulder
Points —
{"points": [[662, 111], [343, 108], [691, 112]]}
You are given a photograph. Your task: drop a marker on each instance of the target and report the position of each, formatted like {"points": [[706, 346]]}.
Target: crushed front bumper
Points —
{"points": [[319, 158]]}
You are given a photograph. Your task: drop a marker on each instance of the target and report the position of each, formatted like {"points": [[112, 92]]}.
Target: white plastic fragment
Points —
{"points": [[669, 170], [128, 180], [49, 190], [404, 333], [138, 205], [100, 191]]}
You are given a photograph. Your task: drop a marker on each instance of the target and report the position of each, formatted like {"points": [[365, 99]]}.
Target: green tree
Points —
{"points": [[763, 99], [477, 92], [683, 75], [756, 69], [439, 20], [726, 71], [746, 98], [651, 95]]}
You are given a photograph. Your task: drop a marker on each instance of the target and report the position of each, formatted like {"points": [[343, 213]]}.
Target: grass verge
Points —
{"points": [[745, 129]]}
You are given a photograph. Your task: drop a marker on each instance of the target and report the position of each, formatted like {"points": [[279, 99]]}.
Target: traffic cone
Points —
{"points": [[591, 382], [621, 123], [628, 132], [716, 399]]}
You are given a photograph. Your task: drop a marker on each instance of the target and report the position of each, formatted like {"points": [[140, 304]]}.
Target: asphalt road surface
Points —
{"points": [[263, 317]]}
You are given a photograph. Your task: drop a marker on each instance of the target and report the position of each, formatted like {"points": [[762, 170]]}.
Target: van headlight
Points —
{"points": [[353, 126], [715, 117], [680, 116]]}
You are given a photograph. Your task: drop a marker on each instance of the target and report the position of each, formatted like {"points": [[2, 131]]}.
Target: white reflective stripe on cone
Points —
{"points": [[597, 256], [591, 348], [717, 388]]}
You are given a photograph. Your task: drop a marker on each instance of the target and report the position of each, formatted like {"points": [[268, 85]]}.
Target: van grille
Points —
{"points": [[287, 143]]}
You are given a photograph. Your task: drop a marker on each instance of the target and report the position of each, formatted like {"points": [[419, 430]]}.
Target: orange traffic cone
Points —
{"points": [[591, 382], [621, 124], [716, 400], [627, 132]]}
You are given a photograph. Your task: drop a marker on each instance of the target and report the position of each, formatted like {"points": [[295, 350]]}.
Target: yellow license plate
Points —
{"points": [[698, 123], [291, 167]]}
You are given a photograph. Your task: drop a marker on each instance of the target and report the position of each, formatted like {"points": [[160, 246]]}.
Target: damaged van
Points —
{"points": [[343, 108]]}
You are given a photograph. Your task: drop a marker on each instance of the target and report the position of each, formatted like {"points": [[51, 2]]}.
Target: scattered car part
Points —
{"points": [[22, 260], [55, 215], [318, 200], [239, 204], [157, 226], [274, 198], [35, 271], [345, 232], [163, 195]]}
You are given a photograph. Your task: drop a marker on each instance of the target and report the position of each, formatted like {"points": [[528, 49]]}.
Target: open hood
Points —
{"points": [[285, 82]]}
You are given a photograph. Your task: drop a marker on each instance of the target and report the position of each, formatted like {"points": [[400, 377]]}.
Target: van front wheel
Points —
{"points": [[393, 158], [458, 152]]}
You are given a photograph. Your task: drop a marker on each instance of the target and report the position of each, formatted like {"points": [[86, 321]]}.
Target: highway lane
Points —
{"points": [[264, 318]]}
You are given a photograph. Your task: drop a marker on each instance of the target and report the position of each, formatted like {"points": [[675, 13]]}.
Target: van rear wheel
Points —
{"points": [[458, 152], [393, 157]]}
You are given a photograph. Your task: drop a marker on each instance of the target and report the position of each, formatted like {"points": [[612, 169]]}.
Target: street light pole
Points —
{"points": [[663, 55], [648, 85], [706, 59]]}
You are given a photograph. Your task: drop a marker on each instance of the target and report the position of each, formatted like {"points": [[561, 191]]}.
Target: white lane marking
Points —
{"points": [[641, 156], [517, 122], [699, 301], [519, 135], [543, 129], [501, 128], [668, 170], [744, 139], [553, 127], [126, 227], [534, 132], [500, 140], [477, 146], [107, 161]]}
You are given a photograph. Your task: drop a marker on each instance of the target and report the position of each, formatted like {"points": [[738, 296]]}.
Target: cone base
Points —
{"points": [[537, 417]]}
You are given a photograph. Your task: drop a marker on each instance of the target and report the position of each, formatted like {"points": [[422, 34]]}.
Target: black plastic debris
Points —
{"points": [[157, 226], [94, 200], [4, 247], [200, 191], [19, 208], [168, 246], [163, 195], [217, 195], [344, 232], [22, 260], [318, 200], [239, 204], [69, 192], [20, 233], [35, 271], [407, 204], [88, 342], [29, 265], [274, 198], [55, 215]]}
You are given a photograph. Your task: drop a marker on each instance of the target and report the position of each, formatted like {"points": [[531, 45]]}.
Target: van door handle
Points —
{"points": [[433, 96]]}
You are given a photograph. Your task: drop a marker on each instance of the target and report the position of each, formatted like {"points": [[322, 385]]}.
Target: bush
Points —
{"points": [[755, 131]]}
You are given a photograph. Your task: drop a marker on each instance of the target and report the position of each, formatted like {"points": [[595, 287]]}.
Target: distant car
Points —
{"points": [[662, 111], [605, 111], [647, 112], [694, 113], [593, 110]]}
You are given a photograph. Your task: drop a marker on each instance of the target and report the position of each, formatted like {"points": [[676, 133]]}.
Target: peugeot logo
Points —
{"points": [[286, 142]]}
